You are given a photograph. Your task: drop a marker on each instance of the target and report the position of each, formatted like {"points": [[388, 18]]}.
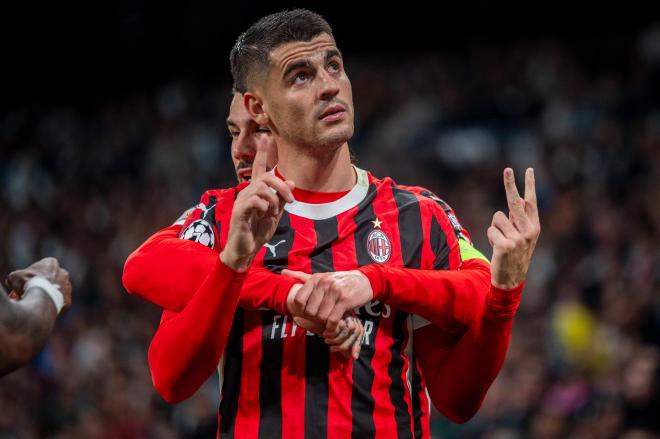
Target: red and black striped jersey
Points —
{"points": [[281, 381]]}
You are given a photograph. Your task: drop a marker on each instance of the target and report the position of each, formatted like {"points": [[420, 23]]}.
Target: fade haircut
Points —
{"points": [[250, 54]]}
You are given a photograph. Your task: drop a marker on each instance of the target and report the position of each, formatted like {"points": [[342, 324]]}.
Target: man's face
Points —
{"points": [[307, 94], [246, 135]]}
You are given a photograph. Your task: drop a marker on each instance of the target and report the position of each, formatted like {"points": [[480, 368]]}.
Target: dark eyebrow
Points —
{"points": [[231, 124], [295, 66], [331, 54]]}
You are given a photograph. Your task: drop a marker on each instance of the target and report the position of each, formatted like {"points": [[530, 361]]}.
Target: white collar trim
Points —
{"points": [[323, 211]]}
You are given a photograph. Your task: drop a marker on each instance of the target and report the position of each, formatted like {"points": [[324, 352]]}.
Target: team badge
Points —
{"points": [[378, 244], [200, 231]]}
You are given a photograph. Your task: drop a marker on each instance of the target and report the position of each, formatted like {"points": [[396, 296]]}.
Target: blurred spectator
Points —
{"points": [[87, 184]]}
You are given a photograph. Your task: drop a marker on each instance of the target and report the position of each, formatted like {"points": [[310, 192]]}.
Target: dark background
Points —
{"points": [[112, 123]]}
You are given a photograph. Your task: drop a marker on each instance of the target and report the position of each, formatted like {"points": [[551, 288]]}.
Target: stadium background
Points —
{"points": [[112, 124]]}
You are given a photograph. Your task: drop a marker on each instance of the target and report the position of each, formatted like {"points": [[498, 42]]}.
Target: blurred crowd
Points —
{"points": [[88, 181]]}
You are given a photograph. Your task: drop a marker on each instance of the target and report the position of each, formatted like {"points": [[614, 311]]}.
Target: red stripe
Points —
{"points": [[425, 404], [293, 357], [247, 418], [340, 381], [386, 211]]}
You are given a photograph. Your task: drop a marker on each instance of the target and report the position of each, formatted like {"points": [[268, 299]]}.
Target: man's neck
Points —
{"points": [[331, 172]]}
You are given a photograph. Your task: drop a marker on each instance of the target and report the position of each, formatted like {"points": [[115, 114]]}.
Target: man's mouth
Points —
{"points": [[333, 112], [244, 174]]}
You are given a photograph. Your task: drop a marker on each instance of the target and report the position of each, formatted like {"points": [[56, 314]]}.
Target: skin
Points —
{"points": [[27, 321], [254, 151], [307, 78]]}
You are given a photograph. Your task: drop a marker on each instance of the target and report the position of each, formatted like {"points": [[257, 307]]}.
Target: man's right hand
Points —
{"points": [[47, 268], [256, 214]]}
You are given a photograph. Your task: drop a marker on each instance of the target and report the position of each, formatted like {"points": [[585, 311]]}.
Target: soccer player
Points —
{"points": [[282, 382], [179, 318], [40, 291]]}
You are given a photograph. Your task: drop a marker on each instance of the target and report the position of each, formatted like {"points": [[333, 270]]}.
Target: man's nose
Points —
{"points": [[329, 85], [243, 148]]}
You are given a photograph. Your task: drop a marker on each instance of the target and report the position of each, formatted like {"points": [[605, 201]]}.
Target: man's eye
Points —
{"points": [[234, 134], [334, 66], [301, 78], [264, 130]]}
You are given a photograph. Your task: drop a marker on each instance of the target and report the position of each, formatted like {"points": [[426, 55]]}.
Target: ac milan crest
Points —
{"points": [[378, 246]]}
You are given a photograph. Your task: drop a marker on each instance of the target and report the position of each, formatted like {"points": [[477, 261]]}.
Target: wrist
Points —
{"points": [[52, 290], [502, 303], [291, 296], [374, 274], [240, 264]]}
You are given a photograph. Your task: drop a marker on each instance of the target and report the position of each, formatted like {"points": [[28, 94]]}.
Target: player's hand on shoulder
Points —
{"points": [[514, 237], [255, 215]]}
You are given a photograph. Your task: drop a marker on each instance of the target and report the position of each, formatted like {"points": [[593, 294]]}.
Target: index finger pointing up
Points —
{"points": [[260, 164]]}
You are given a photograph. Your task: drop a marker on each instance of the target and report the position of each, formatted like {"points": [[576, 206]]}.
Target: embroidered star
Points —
{"points": [[377, 223]]}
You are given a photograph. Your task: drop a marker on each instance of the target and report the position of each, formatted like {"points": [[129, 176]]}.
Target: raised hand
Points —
{"points": [[256, 213], [514, 237]]}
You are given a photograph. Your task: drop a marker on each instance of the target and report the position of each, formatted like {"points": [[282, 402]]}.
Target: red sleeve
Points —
{"points": [[450, 300], [188, 345], [458, 380], [167, 270]]}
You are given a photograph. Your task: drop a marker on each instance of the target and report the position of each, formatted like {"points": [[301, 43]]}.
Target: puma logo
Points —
{"points": [[272, 247]]}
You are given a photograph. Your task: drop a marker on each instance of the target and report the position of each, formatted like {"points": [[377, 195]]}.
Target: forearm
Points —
{"points": [[187, 347], [450, 300], [167, 271], [24, 327], [459, 380]]}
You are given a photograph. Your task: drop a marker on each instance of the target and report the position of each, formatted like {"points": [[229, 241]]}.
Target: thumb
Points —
{"points": [[308, 325], [296, 274]]}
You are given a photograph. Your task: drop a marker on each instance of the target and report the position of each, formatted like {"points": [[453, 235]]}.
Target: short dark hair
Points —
{"points": [[250, 53]]}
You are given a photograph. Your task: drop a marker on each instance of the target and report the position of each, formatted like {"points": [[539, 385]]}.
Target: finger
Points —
{"points": [[16, 280], [512, 196], [280, 187], [357, 346], [301, 297], [314, 303], [335, 316], [531, 206], [309, 325], [296, 274], [504, 225], [497, 239], [349, 342], [257, 206], [272, 199], [260, 164]]}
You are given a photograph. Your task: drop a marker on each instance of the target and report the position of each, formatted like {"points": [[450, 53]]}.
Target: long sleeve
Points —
{"points": [[167, 270], [450, 300], [459, 379], [188, 345]]}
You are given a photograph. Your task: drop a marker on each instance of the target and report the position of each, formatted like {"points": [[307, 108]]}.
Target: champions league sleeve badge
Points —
{"points": [[200, 231]]}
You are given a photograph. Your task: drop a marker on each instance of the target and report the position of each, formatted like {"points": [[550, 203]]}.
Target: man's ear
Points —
{"points": [[255, 108]]}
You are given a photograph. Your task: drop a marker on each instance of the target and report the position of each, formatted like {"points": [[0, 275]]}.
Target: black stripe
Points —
{"points": [[317, 353], [362, 401], [439, 246], [410, 227], [395, 369], [411, 237], [231, 386], [270, 379], [416, 386], [285, 233], [272, 351]]}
